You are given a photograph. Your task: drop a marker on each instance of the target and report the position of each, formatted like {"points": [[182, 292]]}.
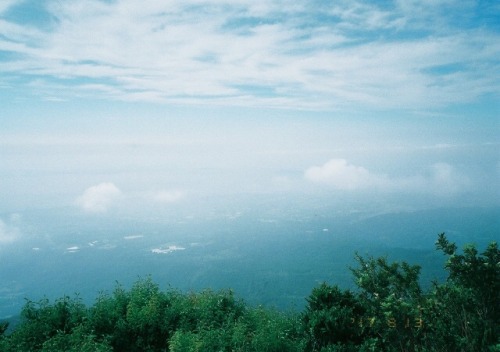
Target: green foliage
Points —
{"points": [[273, 331], [78, 340], [391, 313], [385, 312], [41, 321], [3, 327], [185, 341], [464, 311], [378, 279], [333, 316], [392, 297], [388, 312], [480, 273], [209, 310]]}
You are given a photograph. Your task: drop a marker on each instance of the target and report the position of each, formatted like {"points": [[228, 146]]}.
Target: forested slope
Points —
{"points": [[388, 312]]}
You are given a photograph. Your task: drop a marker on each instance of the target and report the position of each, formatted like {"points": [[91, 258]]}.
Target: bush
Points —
{"points": [[388, 312]]}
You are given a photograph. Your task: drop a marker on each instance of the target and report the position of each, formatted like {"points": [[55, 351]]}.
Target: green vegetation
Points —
{"points": [[388, 312]]}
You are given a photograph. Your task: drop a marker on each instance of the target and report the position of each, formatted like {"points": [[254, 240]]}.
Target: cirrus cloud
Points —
{"points": [[99, 198], [263, 53]]}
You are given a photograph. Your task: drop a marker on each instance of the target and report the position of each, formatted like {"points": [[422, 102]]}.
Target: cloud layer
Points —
{"points": [[9, 231], [99, 198], [102, 197], [341, 175], [309, 54], [168, 196], [441, 179]]}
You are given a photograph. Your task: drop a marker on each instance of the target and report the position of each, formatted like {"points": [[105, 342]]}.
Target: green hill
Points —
{"points": [[389, 311]]}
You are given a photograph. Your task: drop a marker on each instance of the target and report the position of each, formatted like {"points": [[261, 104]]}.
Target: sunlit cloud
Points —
{"points": [[341, 175], [99, 198], [256, 53], [440, 179]]}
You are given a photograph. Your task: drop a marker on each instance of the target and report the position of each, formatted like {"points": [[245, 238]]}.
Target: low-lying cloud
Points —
{"points": [[341, 175], [9, 231], [99, 198], [440, 179], [446, 180], [168, 196]]}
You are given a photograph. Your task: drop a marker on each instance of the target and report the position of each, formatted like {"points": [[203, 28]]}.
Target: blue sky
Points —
{"points": [[117, 103]]}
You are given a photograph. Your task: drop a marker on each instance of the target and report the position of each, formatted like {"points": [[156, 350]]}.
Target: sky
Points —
{"points": [[114, 104]]}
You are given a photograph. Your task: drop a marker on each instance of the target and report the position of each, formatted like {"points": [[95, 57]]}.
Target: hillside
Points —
{"points": [[388, 311]]}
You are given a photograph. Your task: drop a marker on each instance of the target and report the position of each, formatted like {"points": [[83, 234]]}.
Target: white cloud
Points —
{"points": [[266, 53], [9, 232], [445, 179], [440, 179], [6, 4], [168, 196], [341, 175], [99, 198]]}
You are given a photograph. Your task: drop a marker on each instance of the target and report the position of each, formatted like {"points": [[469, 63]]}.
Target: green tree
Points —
{"points": [[479, 273], [184, 341], [392, 298], [79, 340], [42, 320], [141, 319], [384, 315], [274, 331], [333, 316], [388, 312], [145, 316], [464, 311], [108, 318]]}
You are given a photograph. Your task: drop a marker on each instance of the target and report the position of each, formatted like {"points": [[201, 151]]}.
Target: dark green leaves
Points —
{"points": [[388, 312]]}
